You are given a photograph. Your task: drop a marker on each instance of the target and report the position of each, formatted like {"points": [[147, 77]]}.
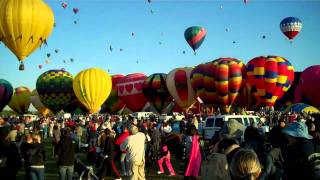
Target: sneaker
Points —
{"points": [[159, 172], [172, 174], [118, 179]]}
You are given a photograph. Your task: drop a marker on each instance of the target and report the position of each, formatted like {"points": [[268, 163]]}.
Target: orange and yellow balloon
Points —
{"points": [[20, 100], [92, 87], [24, 26]]}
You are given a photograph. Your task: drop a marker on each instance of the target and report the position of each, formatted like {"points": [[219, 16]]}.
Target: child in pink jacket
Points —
{"points": [[165, 156]]}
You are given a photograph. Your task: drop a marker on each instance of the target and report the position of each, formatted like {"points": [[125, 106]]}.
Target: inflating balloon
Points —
{"points": [[155, 89], [55, 89], [179, 85], [20, 101], [269, 78], [195, 35], [26, 27], [130, 91], [301, 107], [92, 87], [36, 102], [6, 91], [290, 27], [113, 104]]}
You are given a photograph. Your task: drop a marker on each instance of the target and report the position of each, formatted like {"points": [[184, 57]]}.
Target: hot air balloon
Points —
{"points": [[130, 91], [56, 50], [55, 89], [92, 87], [290, 27], [64, 5], [6, 91], [195, 35], [301, 107], [26, 27], [75, 10], [113, 104], [179, 86], [71, 59], [47, 61], [308, 87], [48, 55], [245, 1], [36, 102], [20, 101], [155, 89], [269, 78], [40, 66]]}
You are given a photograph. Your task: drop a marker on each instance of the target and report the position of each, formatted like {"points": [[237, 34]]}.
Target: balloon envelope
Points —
{"points": [[301, 107], [55, 89], [92, 87], [269, 78], [130, 91], [195, 35], [6, 91], [290, 27], [20, 100]]}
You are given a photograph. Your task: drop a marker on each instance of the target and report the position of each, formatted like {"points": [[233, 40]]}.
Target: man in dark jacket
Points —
{"points": [[9, 156], [65, 151]]}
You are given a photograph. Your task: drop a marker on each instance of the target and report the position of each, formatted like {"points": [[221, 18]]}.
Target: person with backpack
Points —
{"points": [[296, 152]]}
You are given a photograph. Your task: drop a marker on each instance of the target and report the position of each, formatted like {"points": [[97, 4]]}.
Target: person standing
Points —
{"points": [[165, 157], [65, 151], [135, 147], [123, 160]]}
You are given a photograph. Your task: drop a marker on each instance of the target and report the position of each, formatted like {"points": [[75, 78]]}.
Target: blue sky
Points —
{"points": [[102, 23]]}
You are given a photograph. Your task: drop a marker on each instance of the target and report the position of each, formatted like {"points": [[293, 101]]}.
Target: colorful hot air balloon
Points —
{"points": [[26, 27], [155, 89], [308, 87], [92, 87], [179, 86], [290, 27], [269, 78], [113, 103], [301, 107], [64, 5], [6, 91], [130, 91], [36, 102], [20, 101], [195, 36], [55, 89]]}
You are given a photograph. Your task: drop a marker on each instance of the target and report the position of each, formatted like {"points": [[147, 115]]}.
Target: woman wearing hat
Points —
{"points": [[296, 152]]}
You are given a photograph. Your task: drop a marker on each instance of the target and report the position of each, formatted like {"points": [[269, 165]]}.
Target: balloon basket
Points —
{"points": [[21, 67]]}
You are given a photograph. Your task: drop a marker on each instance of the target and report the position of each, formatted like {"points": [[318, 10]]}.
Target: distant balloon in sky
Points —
{"points": [[64, 61], [110, 48], [195, 35], [64, 5], [290, 27], [71, 60], [48, 55], [121, 49], [75, 22], [183, 52], [47, 61], [227, 30], [245, 1], [40, 66], [151, 11], [56, 50], [75, 10], [263, 37], [137, 62], [149, 1], [233, 42], [132, 34]]}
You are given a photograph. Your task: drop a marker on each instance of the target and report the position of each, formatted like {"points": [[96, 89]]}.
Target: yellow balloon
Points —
{"points": [[25, 25], [20, 100], [92, 87], [36, 102]]}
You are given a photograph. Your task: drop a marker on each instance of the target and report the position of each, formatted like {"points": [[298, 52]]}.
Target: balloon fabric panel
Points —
{"points": [[6, 91]]}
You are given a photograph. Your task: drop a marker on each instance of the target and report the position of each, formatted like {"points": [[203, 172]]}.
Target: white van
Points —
{"points": [[215, 123]]}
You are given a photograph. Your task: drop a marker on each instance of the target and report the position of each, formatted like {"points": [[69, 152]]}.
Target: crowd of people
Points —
{"points": [[124, 146]]}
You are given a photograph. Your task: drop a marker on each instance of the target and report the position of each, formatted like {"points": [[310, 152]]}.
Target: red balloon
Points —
{"points": [[309, 85], [130, 91]]}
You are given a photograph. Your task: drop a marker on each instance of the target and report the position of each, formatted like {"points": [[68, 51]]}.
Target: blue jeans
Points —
{"points": [[65, 170], [36, 173]]}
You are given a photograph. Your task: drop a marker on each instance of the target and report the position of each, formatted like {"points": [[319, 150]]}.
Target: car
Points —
{"points": [[214, 124]]}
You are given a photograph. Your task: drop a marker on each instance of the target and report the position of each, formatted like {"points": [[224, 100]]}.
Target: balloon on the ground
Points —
{"points": [[75, 107], [155, 89], [55, 89], [195, 35], [179, 86], [92, 87], [290, 27], [309, 86], [301, 107], [6, 91], [26, 27], [113, 103], [20, 100], [269, 78], [130, 91], [36, 102]]}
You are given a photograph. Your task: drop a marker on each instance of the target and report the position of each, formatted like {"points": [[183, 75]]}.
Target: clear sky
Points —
{"points": [[159, 42]]}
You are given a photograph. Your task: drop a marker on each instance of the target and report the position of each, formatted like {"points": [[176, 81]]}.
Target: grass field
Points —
{"points": [[51, 169]]}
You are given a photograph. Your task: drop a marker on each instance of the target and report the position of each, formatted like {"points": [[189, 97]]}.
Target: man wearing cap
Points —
{"points": [[134, 145], [296, 152]]}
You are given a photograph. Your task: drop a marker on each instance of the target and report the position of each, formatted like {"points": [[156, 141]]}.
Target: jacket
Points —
{"points": [[33, 154], [65, 151]]}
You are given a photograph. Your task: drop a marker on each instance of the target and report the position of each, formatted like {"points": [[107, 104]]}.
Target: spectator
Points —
{"points": [[165, 156], [123, 160]]}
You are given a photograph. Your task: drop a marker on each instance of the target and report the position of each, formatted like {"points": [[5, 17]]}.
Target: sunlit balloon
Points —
{"points": [[269, 78], [195, 35], [290, 27], [92, 87], [26, 27], [36, 102], [20, 101], [6, 91]]}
